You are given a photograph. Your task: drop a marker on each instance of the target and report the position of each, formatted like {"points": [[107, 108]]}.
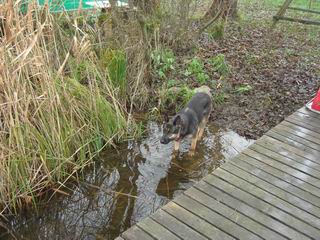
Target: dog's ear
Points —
{"points": [[177, 121]]}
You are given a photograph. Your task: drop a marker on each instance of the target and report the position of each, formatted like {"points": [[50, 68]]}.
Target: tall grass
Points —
{"points": [[55, 115]]}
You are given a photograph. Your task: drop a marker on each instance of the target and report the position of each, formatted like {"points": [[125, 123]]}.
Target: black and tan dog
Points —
{"points": [[191, 120]]}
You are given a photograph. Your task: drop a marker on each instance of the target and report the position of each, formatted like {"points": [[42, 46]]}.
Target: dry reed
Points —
{"points": [[51, 123]]}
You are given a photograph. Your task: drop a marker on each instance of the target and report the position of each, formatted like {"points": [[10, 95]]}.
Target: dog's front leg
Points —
{"points": [[176, 145]]}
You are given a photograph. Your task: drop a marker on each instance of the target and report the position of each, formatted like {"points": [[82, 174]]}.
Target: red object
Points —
{"points": [[316, 102]]}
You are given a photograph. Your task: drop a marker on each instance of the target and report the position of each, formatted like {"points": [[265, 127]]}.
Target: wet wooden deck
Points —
{"points": [[269, 191]]}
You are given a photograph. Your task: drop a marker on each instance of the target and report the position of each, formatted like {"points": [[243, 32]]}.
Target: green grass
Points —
{"points": [[262, 12], [196, 68], [220, 65], [115, 63], [174, 97], [163, 62], [277, 3], [216, 31]]}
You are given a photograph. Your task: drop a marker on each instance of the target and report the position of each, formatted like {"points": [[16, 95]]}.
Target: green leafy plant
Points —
{"points": [[171, 83], [220, 65], [243, 88], [116, 64], [202, 78], [196, 68], [163, 62], [216, 32], [174, 97], [220, 98]]}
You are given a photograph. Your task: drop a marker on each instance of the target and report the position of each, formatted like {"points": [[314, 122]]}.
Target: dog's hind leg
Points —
{"points": [[202, 126], [193, 144]]}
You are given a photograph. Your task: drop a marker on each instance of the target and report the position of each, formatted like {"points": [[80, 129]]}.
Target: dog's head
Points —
{"points": [[172, 129]]}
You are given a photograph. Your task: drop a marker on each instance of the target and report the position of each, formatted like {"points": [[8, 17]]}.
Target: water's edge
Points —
{"points": [[126, 185]]}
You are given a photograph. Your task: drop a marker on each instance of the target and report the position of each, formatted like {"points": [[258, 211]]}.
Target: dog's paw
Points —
{"points": [[191, 153]]}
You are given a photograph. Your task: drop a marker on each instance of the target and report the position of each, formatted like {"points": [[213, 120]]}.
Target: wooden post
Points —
{"points": [[286, 6], [281, 12], [303, 21]]}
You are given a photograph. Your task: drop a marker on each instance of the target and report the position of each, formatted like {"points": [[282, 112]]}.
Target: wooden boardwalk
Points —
{"points": [[269, 191]]}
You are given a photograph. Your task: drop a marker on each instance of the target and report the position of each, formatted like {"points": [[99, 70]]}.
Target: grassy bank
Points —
{"points": [[60, 101]]}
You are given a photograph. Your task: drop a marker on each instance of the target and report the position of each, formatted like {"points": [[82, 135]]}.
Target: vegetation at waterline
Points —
{"points": [[60, 102]]}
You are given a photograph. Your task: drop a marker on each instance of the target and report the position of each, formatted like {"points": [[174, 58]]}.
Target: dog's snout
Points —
{"points": [[164, 140]]}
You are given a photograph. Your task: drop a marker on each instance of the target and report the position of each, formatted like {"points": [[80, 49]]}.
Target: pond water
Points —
{"points": [[125, 186]]}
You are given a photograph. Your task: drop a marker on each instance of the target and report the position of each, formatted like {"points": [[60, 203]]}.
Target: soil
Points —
{"points": [[282, 66]]}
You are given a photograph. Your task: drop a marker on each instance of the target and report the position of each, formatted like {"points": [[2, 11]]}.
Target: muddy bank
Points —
{"points": [[281, 68]]}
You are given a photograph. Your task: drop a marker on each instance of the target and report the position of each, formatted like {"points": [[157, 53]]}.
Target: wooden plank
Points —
{"points": [[232, 214], [173, 224], [135, 233], [300, 216], [267, 186], [285, 168], [156, 230], [304, 10], [302, 124], [298, 20], [285, 176], [241, 207], [315, 141], [214, 218], [306, 120], [292, 143], [287, 161], [277, 178], [305, 111], [301, 129], [221, 195], [307, 115], [280, 130], [260, 201], [195, 222], [281, 11], [286, 149]]}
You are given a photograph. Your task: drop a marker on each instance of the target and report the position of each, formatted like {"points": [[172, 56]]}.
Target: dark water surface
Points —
{"points": [[125, 186]]}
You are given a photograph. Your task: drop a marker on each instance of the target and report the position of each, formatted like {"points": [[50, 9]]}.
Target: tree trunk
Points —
{"points": [[147, 6], [225, 8]]}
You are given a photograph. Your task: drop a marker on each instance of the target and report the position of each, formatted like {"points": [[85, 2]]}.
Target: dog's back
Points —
{"points": [[200, 104]]}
